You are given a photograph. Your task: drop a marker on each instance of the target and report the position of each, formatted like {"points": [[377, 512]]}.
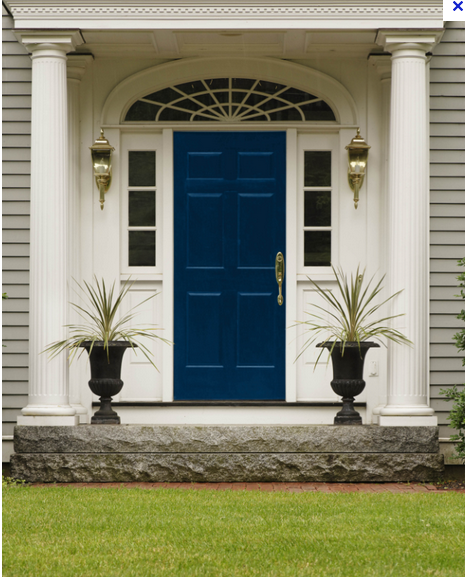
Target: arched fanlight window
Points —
{"points": [[230, 99]]}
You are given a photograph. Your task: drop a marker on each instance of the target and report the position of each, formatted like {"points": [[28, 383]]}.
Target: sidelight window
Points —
{"points": [[142, 208], [317, 208]]}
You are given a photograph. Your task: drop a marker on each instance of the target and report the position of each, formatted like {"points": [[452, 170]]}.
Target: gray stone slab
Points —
{"points": [[218, 467], [230, 438]]}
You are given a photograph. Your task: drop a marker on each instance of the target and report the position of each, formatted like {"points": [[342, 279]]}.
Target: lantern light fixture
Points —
{"points": [[101, 153], [358, 159]]}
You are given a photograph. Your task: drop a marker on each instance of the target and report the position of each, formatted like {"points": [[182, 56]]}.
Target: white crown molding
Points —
{"points": [[144, 13]]}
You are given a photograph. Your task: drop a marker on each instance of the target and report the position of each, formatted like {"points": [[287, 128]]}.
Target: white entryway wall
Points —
{"points": [[356, 234]]}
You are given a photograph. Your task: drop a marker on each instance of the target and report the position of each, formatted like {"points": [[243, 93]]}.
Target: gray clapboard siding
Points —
{"points": [[447, 102], [443, 156], [447, 223], [14, 388], [439, 251], [442, 115], [447, 238], [15, 127], [15, 208], [16, 101], [441, 76], [12, 277], [16, 142], [447, 129], [20, 75], [17, 88], [16, 154], [443, 89], [441, 349], [16, 333], [16, 236], [443, 265], [446, 197], [453, 143], [437, 169], [447, 184]]}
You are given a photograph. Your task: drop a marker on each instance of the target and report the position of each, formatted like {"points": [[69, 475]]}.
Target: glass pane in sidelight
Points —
{"points": [[317, 249], [317, 168], [142, 208], [141, 248], [317, 208], [142, 168]]}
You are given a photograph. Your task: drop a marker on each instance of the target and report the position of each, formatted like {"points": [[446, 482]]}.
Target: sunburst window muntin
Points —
{"points": [[229, 99]]}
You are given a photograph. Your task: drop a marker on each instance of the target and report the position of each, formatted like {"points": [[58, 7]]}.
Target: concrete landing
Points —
{"points": [[223, 454]]}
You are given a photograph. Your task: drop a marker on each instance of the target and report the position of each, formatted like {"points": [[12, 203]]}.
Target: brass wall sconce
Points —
{"points": [[358, 159], [101, 153]]}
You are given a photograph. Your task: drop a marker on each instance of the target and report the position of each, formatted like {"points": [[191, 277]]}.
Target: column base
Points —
{"points": [[48, 420], [407, 420], [376, 414], [81, 412]]}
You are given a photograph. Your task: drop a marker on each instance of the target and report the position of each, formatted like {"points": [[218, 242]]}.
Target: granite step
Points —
{"points": [[189, 453]]}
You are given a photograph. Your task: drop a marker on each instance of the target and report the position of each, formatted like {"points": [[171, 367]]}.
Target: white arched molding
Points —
{"points": [[268, 69]]}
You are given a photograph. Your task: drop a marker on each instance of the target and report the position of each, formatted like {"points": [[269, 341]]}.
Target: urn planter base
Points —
{"points": [[348, 389], [105, 414]]}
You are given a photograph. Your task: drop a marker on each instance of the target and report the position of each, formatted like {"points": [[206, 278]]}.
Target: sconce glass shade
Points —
{"points": [[358, 159], [101, 153]]}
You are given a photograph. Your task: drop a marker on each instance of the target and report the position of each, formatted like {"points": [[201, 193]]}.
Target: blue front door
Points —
{"points": [[229, 225]]}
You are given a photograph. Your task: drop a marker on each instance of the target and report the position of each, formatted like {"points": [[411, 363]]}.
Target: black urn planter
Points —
{"points": [[106, 367], [347, 380]]}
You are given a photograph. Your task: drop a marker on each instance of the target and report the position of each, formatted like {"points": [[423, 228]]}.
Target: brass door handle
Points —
{"points": [[280, 274]]}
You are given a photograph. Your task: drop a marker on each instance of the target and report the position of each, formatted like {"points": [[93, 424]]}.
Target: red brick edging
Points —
{"points": [[323, 487]]}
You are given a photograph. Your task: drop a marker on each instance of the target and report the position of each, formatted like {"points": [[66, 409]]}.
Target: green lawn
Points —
{"points": [[59, 531]]}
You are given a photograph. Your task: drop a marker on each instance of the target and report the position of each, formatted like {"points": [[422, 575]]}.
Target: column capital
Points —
{"points": [[76, 65], [62, 40], [417, 40]]}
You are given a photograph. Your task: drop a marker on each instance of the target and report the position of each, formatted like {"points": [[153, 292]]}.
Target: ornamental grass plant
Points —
{"points": [[349, 316], [101, 323]]}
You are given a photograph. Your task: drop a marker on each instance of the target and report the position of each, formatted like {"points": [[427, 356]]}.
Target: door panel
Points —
{"points": [[229, 224]]}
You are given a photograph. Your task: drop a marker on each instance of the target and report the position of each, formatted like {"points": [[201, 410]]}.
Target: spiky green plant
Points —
{"points": [[349, 316], [100, 312]]}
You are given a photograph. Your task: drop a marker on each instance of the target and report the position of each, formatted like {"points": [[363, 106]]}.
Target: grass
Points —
{"points": [[59, 531]]}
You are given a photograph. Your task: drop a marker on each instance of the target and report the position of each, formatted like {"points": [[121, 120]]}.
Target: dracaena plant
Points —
{"points": [[349, 316], [100, 321]]}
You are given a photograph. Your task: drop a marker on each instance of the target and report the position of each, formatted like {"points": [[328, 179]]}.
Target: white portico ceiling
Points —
{"points": [[280, 43], [229, 15]]}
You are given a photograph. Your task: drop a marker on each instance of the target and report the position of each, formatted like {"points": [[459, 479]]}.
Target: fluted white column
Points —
{"points": [[382, 64], [76, 67], [408, 229], [48, 402]]}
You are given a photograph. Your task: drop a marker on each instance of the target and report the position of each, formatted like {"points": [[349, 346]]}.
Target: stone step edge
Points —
{"points": [[220, 453], [228, 438], [226, 468]]}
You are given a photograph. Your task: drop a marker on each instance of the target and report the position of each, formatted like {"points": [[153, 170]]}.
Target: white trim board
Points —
{"points": [[231, 415], [210, 14]]}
